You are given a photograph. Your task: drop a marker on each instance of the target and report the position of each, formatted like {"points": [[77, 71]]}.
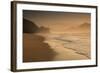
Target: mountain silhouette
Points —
{"points": [[84, 25], [29, 27]]}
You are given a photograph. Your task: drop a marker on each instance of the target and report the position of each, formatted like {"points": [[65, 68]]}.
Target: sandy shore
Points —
{"points": [[50, 47]]}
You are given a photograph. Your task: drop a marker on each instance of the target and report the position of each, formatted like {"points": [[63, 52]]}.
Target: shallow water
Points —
{"points": [[56, 47], [79, 43]]}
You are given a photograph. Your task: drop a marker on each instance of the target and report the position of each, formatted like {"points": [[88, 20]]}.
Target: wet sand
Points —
{"points": [[55, 47], [35, 49]]}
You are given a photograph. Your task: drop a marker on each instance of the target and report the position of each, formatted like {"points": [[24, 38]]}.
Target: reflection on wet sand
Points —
{"points": [[36, 50]]}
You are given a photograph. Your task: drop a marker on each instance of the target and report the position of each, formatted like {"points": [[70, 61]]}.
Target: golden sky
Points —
{"points": [[57, 21]]}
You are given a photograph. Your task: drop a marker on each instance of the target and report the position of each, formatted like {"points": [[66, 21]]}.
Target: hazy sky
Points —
{"points": [[56, 20]]}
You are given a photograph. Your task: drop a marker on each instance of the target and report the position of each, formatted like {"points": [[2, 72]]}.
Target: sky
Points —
{"points": [[57, 21]]}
